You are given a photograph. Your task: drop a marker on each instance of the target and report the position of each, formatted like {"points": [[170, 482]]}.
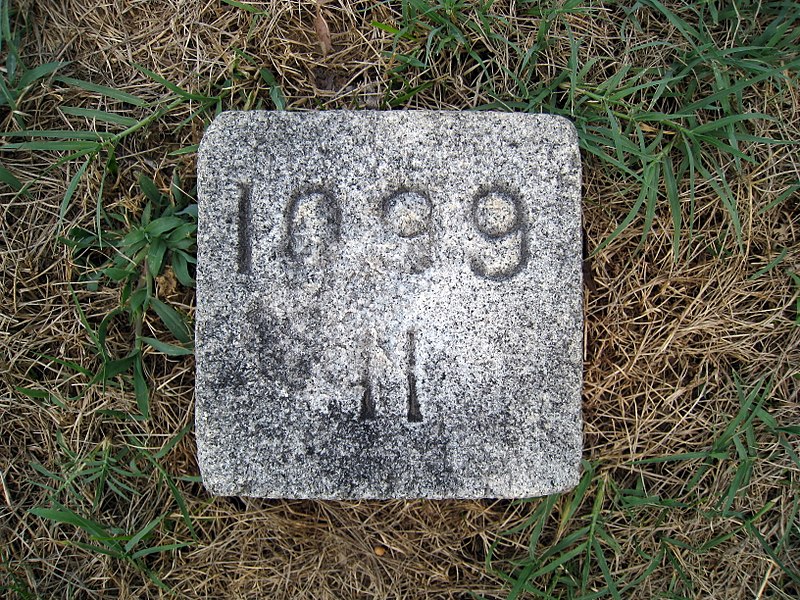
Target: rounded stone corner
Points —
{"points": [[221, 121], [213, 136], [570, 132], [213, 488]]}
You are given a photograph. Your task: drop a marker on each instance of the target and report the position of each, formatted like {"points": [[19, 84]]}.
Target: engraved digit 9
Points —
{"points": [[498, 217]]}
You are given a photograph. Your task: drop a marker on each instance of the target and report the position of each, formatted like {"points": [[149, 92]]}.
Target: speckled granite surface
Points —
{"points": [[389, 305]]}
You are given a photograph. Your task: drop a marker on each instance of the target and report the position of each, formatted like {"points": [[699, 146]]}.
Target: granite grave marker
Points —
{"points": [[389, 305]]}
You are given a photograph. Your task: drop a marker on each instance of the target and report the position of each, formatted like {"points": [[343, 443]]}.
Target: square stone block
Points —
{"points": [[389, 305]]}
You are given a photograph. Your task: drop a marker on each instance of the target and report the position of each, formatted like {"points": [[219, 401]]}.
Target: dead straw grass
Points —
{"points": [[663, 337]]}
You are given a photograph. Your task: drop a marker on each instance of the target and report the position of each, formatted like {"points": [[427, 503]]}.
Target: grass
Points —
{"points": [[668, 128], [571, 550], [689, 123]]}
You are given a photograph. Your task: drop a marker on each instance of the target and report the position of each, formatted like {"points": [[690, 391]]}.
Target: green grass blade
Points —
{"points": [[632, 214], [142, 534], [682, 456], [103, 90], [71, 187], [159, 549], [720, 185], [10, 179], [65, 516], [780, 198], [168, 349], [708, 102], [729, 120], [67, 363], [99, 115], [40, 72], [769, 266], [176, 89], [59, 146], [560, 560], [790, 571], [689, 32], [652, 174], [185, 150], [172, 319], [167, 448], [671, 188], [601, 561], [140, 388], [155, 257], [58, 134], [246, 7], [181, 267]]}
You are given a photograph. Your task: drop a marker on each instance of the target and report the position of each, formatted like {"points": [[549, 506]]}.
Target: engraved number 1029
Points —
{"points": [[314, 222]]}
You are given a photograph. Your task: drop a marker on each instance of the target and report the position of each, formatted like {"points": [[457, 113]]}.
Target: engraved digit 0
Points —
{"points": [[314, 223], [498, 217]]}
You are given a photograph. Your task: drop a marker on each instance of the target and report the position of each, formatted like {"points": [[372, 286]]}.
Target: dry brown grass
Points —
{"points": [[663, 337]]}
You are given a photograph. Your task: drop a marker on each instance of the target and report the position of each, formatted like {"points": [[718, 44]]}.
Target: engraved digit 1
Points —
{"points": [[244, 224], [414, 414], [498, 216], [367, 400]]}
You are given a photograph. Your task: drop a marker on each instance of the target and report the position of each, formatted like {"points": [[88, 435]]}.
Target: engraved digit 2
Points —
{"points": [[408, 215], [499, 217]]}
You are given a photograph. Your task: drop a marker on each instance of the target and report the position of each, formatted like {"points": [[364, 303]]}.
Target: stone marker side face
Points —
{"points": [[389, 305]]}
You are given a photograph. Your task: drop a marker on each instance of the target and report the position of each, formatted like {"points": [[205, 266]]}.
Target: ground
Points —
{"points": [[689, 118]]}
